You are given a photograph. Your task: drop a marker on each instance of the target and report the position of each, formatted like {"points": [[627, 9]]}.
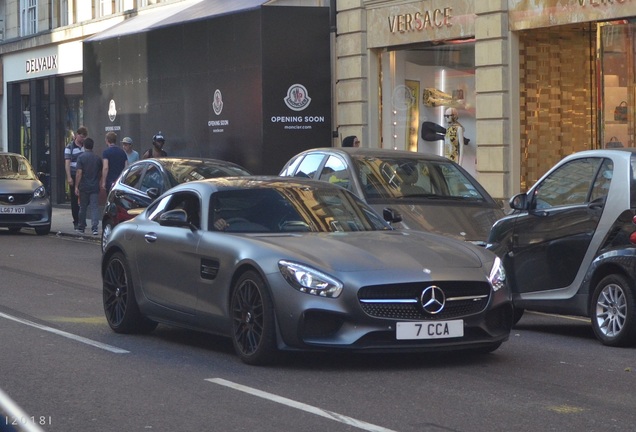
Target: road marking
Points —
{"points": [[77, 338], [301, 406]]}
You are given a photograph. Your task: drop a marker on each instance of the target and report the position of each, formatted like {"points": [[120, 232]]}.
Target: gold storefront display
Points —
{"points": [[557, 96]]}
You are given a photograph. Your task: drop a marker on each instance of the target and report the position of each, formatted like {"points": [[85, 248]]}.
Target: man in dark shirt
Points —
{"points": [[71, 153], [114, 161], [87, 181]]}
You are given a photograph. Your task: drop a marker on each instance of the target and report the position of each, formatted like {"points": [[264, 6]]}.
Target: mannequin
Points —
{"points": [[454, 136]]}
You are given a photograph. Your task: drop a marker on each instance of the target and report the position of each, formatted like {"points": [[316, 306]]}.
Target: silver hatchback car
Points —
{"points": [[24, 201]]}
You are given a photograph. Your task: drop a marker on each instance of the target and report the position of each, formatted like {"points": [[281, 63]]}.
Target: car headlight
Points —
{"points": [[40, 192], [308, 280], [497, 276]]}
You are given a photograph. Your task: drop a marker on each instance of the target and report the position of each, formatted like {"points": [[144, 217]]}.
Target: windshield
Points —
{"points": [[411, 177], [292, 209], [15, 167]]}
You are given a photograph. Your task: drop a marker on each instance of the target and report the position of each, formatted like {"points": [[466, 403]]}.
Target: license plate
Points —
{"points": [[429, 330], [12, 210]]}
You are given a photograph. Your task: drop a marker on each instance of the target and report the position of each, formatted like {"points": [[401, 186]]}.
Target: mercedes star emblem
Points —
{"points": [[433, 299]]}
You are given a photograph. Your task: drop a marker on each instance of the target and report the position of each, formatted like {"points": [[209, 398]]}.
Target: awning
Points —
{"points": [[188, 10]]}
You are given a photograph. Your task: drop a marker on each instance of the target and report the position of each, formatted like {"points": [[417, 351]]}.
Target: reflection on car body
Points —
{"points": [[431, 193], [24, 201], [140, 183], [569, 247], [299, 264]]}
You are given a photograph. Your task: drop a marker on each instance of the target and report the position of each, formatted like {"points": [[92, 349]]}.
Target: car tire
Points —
{"points": [[253, 324], [613, 311], [120, 305], [107, 229], [43, 230]]}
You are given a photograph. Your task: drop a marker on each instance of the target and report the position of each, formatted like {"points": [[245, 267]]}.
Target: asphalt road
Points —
{"points": [[63, 365]]}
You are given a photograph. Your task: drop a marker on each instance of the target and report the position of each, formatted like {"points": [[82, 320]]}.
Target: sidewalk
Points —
{"points": [[62, 224]]}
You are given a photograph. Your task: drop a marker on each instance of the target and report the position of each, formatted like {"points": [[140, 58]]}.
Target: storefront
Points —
{"points": [[425, 57], [43, 102], [240, 81], [577, 78]]}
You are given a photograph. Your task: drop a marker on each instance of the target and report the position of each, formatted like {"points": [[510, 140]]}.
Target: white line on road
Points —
{"points": [[301, 406], [66, 335]]}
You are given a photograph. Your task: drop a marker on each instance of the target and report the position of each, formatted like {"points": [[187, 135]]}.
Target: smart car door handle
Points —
{"points": [[151, 237]]}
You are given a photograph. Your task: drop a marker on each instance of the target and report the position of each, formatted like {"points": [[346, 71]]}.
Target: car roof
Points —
{"points": [[374, 152], [176, 159], [254, 182]]}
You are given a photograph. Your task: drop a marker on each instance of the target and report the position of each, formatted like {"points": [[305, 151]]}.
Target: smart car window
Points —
{"points": [[602, 182], [309, 165], [569, 184], [152, 179]]}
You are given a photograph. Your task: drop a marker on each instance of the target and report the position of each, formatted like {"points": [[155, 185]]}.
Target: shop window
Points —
{"points": [[418, 85], [617, 89]]}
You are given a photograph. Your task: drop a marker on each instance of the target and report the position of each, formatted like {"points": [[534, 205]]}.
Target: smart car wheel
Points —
{"points": [[107, 228], [120, 305], [253, 332], [614, 311]]}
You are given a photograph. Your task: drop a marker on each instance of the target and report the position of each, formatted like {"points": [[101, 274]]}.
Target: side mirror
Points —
{"points": [[152, 193], [391, 215], [174, 218], [519, 202]]}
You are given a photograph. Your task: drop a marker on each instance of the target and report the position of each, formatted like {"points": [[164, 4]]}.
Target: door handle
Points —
{"points": [[150, 237]]}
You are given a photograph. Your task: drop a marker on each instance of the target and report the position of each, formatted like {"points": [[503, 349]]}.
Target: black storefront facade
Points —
{"points": [[251, 85]]}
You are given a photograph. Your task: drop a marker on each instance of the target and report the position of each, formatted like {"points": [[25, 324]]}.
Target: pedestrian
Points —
{"points": [[133, 155], [71, 153], [89, 172], [115, 160], [351, 141], [157, 147]]}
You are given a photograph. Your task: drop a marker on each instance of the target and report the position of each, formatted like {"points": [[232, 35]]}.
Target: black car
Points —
{"points": [[430, 192], [142, 182], [24, 201], [569, 246]]}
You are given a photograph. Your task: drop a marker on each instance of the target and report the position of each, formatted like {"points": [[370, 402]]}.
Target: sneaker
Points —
{"points": [[95, 232], [79, 230]]}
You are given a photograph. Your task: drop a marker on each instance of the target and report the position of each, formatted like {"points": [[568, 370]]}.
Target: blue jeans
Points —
{"points": [[88, 201]]}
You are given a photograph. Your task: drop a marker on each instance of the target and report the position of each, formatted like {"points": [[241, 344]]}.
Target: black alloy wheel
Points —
{"points": [[614, 311], [253, 333], [120, 305]]}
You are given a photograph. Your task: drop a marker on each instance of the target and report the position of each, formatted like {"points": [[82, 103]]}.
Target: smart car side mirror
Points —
{"points": [[391, 215], [519, 202]]}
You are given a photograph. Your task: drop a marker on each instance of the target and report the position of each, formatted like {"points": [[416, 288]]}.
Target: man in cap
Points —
{"points": [[157, 147], [133, 155]]}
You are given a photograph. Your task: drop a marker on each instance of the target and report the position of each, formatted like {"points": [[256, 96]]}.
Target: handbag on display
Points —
{"points": [[614, 143], [620, 112]]}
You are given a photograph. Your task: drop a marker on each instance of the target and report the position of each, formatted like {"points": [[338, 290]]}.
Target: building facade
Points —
{"points": [[532, 80], [42, 75]]}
